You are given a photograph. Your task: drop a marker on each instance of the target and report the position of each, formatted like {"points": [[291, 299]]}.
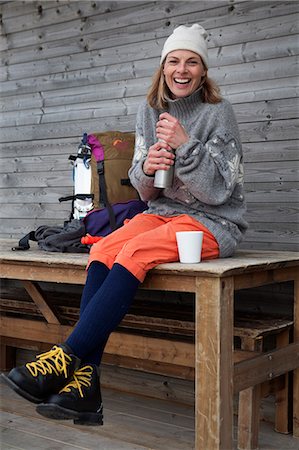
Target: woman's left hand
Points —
{"points": [[170, 130]]}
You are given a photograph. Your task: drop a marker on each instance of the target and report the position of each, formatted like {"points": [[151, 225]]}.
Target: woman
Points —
{"points": [[184, 123]]}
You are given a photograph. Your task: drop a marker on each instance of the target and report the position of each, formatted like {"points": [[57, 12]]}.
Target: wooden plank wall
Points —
{"points": [[75, 66]]}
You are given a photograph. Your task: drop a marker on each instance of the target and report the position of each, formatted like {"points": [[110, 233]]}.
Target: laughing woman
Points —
{"points": [[185, 124]]}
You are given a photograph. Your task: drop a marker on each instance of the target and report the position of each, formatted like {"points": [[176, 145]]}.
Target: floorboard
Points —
{"points": [[131, 422]]}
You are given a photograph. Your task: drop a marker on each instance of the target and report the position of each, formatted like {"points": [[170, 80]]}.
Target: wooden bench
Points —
{"points": [[252, 330], [218, 372]]}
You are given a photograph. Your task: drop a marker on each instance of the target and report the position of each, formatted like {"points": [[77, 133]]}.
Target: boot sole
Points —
{"points": [[56, 412], [20, 391]]}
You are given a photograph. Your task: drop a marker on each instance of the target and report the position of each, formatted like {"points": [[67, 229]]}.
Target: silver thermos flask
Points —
{"points": [[164, 178]]}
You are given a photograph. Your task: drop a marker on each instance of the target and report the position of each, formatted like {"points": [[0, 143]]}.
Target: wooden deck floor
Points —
{"points": [[131, 422]]}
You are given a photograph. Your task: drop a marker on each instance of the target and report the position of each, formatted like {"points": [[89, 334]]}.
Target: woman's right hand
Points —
{"points": [[160, 156]]}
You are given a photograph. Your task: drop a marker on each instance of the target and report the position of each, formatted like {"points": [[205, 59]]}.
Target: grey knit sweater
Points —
{"points": [[208, 179]]}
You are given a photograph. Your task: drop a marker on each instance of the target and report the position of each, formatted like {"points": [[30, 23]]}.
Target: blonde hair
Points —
{"points": [[159, 93]]}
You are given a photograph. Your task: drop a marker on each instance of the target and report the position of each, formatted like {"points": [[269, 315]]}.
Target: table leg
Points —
{"points": [[214, 364], [7, 356]]}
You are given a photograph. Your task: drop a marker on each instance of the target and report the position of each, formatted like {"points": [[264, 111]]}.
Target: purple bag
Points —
{"points": [[97, 221]]}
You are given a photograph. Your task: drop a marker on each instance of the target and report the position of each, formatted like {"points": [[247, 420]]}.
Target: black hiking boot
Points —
{"points": [[80, 400], [38, 379]]}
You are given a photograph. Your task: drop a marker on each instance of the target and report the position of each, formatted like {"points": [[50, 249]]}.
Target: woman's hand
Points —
{"points": [[170, 130], [159, 157]]}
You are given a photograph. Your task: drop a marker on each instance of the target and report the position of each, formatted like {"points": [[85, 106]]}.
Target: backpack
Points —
{"points": [[100, 172]]}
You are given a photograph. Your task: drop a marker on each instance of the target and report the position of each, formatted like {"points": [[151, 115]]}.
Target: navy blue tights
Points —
{"points": [[106, 299], [96, 275]]}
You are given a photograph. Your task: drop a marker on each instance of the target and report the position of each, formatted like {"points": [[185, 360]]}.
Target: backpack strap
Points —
{"points": [[24, 242], [104, 196], [98, 152], [73, 197]]}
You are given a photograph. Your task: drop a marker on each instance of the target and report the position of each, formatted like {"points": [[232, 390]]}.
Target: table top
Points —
{"points": [[242, 262]]}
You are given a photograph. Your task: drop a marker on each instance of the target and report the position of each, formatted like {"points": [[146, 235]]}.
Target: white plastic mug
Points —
{"points": [[189, 246]]}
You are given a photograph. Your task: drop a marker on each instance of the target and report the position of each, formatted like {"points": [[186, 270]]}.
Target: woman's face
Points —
{"points": [[183, 71]]}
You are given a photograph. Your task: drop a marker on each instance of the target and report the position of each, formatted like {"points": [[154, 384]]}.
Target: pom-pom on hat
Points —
{"points": [[187, 38]]}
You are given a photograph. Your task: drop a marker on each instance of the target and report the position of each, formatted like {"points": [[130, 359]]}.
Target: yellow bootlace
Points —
{"points": [[54, 360], [81, 377]]}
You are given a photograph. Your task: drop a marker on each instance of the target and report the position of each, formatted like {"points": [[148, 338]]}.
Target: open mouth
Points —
{"points": [[182, 80]]}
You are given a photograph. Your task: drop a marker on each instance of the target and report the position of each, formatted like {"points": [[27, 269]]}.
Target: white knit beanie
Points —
{"points": [[187, 38]]}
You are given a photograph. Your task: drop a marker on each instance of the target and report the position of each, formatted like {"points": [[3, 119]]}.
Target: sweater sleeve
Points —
{"points": [[211, 170], [142, 182]]}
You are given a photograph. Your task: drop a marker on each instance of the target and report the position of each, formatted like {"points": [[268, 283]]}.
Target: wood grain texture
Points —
{"points": [[296, 372], [70, 67], [214, 377], [38, 298], [141, 422], [213, 283]]}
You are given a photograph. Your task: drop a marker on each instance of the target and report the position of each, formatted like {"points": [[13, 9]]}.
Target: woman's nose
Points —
{"points": [[181, 67]]}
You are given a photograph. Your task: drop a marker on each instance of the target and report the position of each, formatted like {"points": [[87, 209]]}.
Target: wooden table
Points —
{"points": [[213, 284]]}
